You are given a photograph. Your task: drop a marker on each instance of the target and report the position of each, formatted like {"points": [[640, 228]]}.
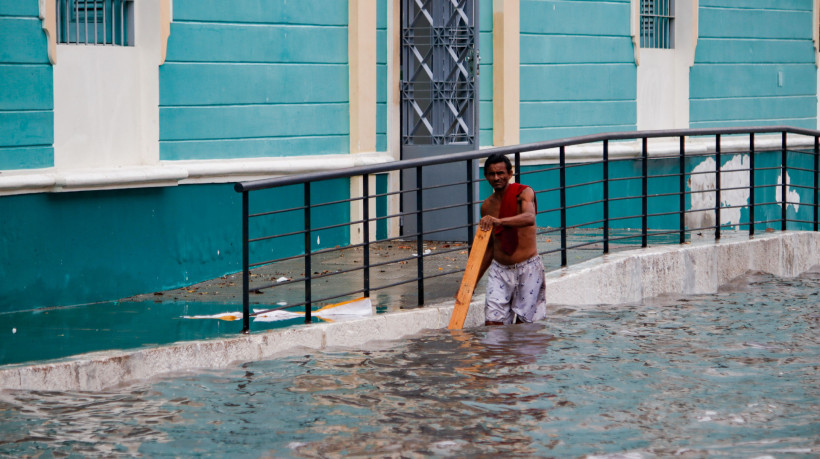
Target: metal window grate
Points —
{"points": [[657, 21], [439, 64], [95, 22]]}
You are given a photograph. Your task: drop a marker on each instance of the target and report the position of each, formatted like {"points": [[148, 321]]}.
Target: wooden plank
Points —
{"points": [[470, 279]]}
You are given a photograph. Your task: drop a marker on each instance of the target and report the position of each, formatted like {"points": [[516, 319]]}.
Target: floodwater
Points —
{"points": [[736, 374]]}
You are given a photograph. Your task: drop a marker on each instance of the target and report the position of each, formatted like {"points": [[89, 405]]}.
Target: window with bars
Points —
{"points": [[95, 22], [657, 24]]}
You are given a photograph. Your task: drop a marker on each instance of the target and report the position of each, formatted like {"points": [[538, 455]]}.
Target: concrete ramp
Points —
{"points": [[688, 269], [626, 277]]}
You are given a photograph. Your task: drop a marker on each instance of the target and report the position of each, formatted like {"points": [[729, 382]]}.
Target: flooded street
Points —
{"points": [[736, 374]]}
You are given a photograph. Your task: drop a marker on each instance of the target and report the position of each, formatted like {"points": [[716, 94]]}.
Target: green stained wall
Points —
{"points": [[578, 74], [26, 88], [72, 248], [250, 78], [754, 64]]}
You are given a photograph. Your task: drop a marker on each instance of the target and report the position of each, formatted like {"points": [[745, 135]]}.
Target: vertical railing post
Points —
{"points": [[606, 195], [562, 183], [717, 186], [308, 251], [816, 179], [682, 189], [644, 193], [246, 275], [517, 165], [470, 205], [420, 236], [783, 185], [751, 184], [366, 232]]}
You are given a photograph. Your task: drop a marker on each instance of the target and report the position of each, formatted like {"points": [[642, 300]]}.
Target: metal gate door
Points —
{"points": [[439, 91]]}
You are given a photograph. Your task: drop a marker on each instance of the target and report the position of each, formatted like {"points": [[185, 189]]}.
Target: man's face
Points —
{"points": [[498, 175]]}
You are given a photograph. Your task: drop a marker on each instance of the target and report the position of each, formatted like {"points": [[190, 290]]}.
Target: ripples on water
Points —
{"points": [[733, 375]]}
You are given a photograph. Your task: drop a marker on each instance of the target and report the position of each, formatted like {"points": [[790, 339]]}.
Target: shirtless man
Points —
{"points": [[515, 286]]}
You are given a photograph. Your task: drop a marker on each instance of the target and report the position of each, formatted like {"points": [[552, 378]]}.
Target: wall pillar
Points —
{"points": [[393, 110], [361, 34], [506, 72]]}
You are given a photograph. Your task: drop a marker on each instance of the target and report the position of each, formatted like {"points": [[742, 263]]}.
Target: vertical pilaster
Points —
{"points": [[362, 73], [393, 109], [166, 14], [506, 72], [361, 34]]}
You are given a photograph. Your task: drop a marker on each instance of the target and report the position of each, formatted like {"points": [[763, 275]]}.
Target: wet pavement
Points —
{"points": [[440, 258], [157, 318]]}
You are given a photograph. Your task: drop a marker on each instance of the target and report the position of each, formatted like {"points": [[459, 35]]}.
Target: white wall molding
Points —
{"points": [[224, 171], [172, 173]]}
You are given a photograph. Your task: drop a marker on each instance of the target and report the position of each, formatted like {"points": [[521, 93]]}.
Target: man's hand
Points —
{"points": [[488, 222]]}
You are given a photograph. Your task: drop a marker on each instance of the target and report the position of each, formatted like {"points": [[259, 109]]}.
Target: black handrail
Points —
{"points": [[563, 190]]}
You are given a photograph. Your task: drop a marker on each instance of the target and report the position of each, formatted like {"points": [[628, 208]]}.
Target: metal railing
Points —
{"points": [[602, 194]]}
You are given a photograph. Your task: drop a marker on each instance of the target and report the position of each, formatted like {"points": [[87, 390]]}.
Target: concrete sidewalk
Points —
{"points": [[630, 276], [156, 319]]}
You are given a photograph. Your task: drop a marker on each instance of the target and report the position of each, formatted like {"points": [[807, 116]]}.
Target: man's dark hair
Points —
{"points": [[497, 158]]}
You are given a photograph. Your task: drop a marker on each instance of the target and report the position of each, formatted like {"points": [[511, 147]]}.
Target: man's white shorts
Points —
{"points": [[516, 291]]}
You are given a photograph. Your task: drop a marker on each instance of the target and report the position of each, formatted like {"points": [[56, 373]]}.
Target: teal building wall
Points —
{"points": [[26, 88], [249, 78], [74, 248], [754, 65], [578, 73]]}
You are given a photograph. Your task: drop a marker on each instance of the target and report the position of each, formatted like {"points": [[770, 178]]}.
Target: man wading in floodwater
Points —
{"points": [[515, 286]]}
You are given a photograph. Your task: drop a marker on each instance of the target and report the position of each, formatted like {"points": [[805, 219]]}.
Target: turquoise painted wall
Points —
{"points": [[578, 74], [60, 249], [26, 88], [251, 78], [754, 64]]}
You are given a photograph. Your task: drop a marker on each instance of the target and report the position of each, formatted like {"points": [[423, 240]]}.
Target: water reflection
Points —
{"points": [[84, 423], [731, 374]]}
